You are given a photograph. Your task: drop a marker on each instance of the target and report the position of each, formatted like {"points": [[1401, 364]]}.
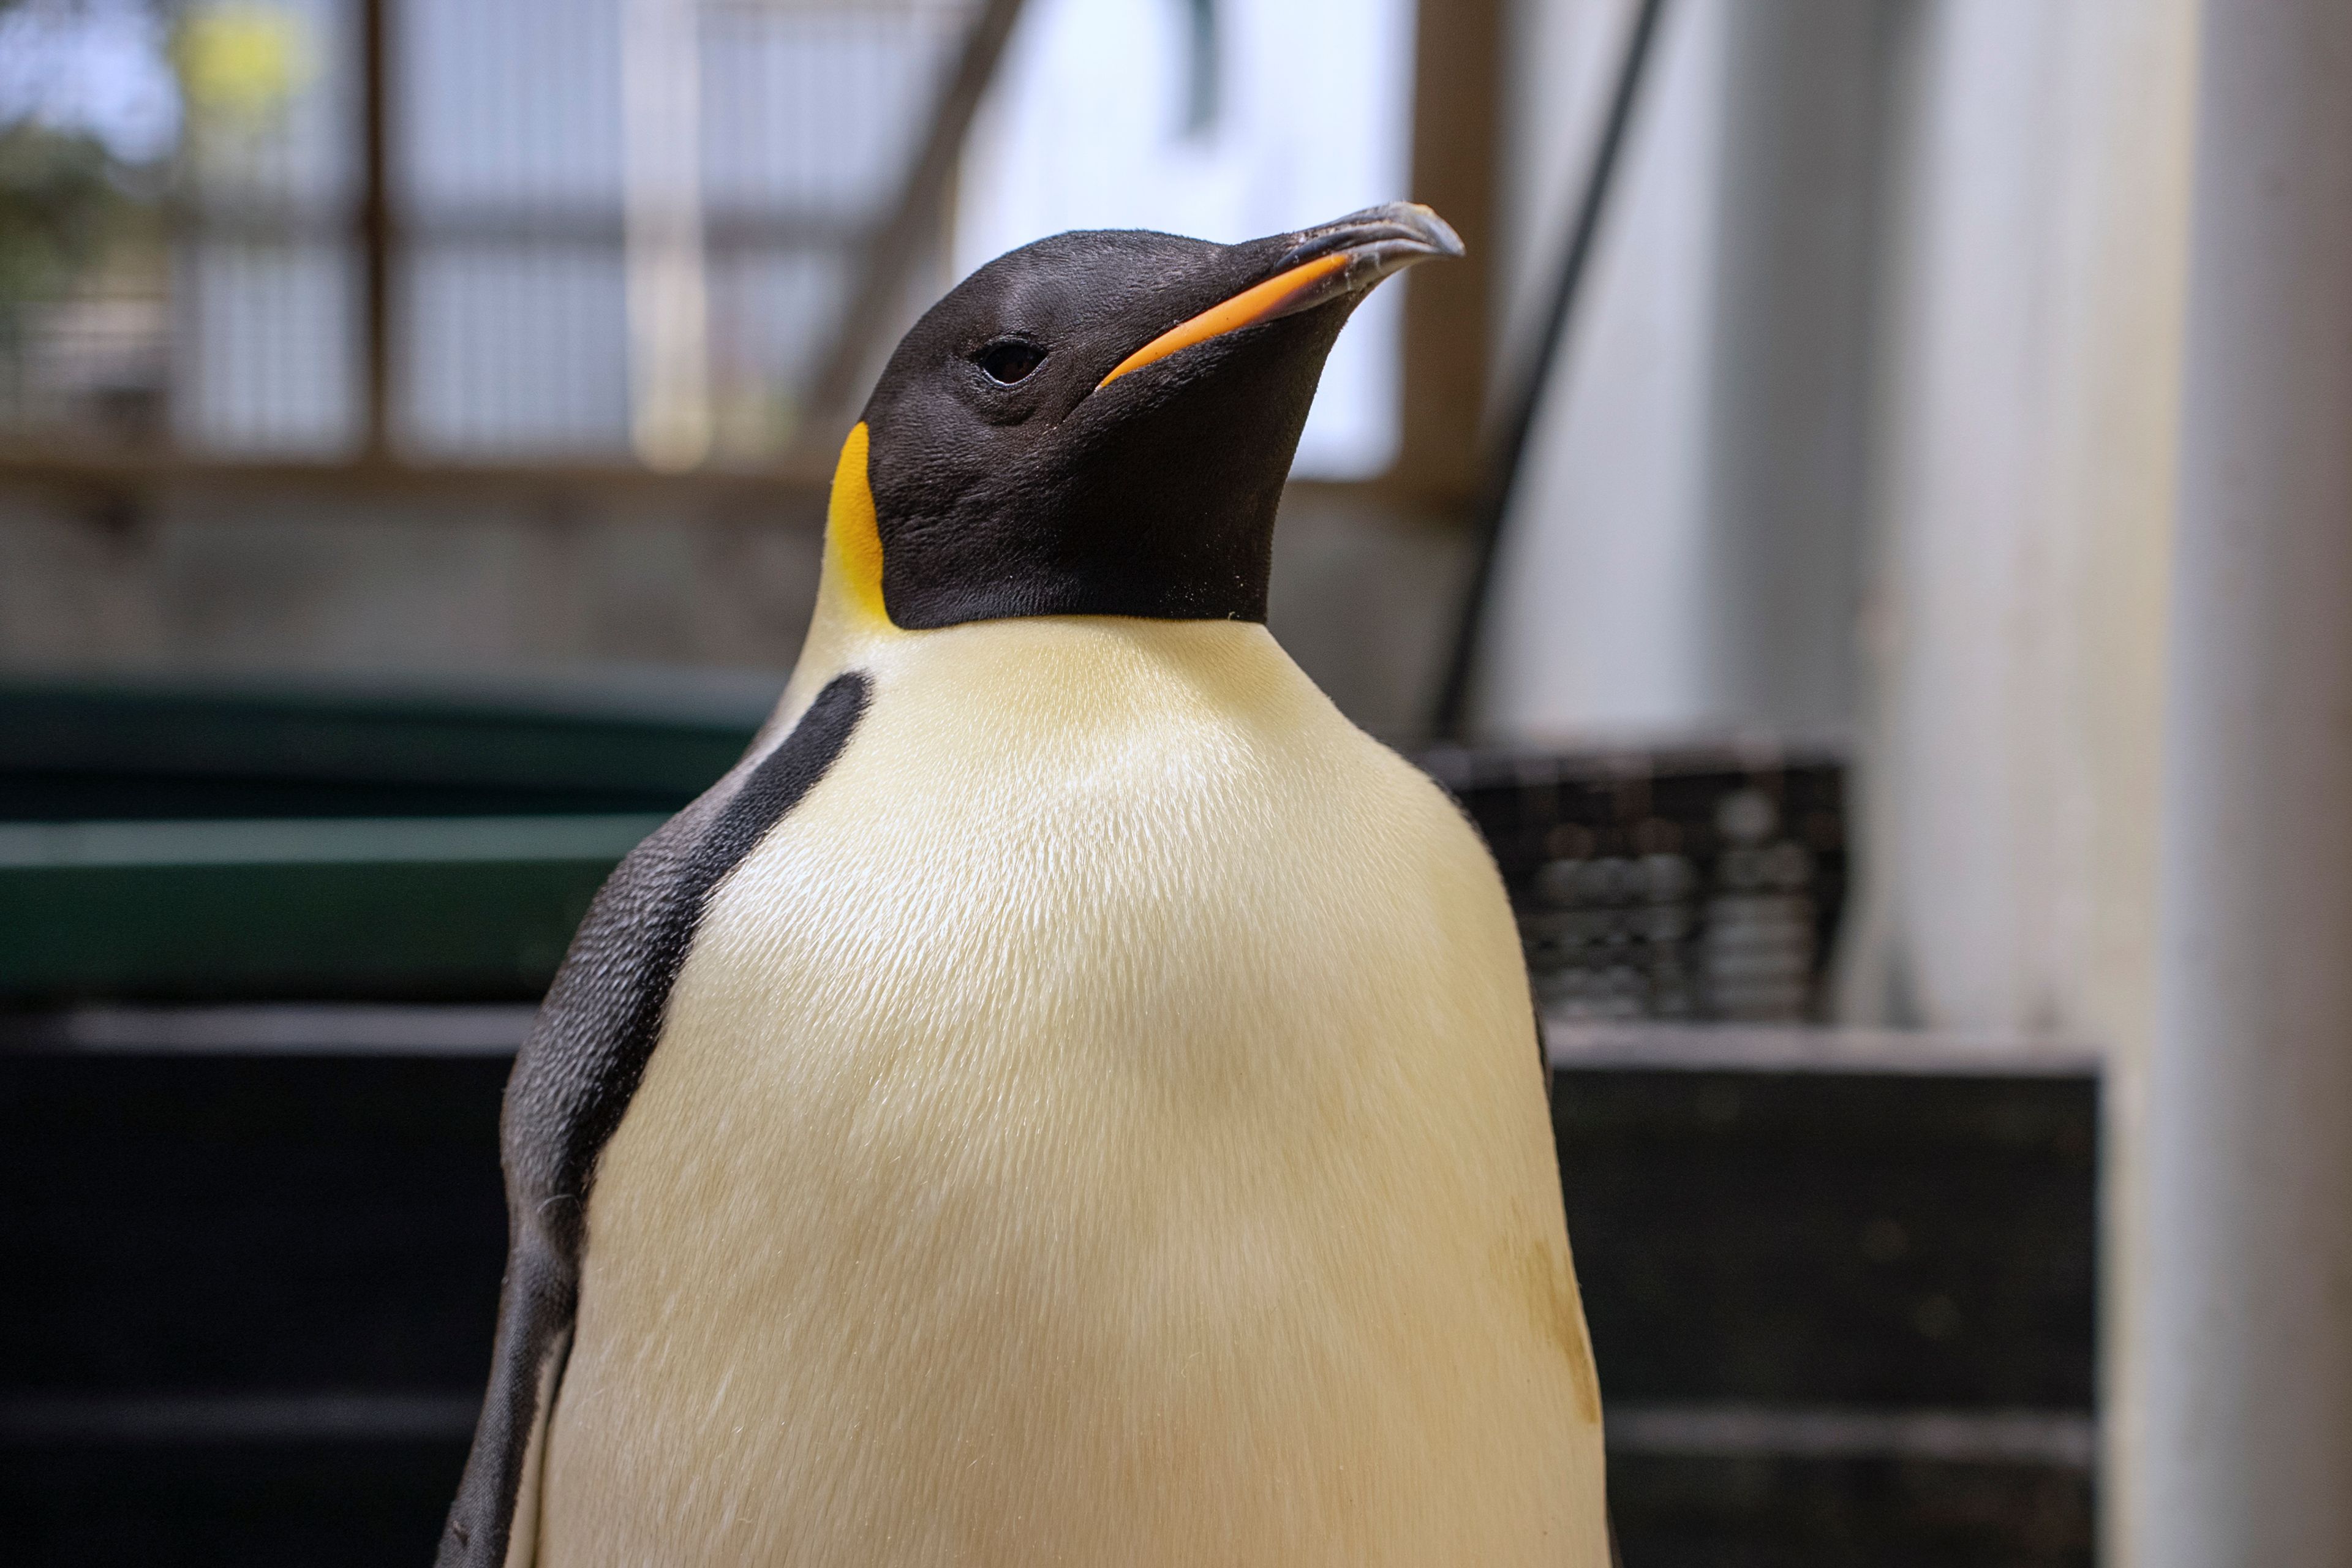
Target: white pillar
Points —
{"points": [[2245, 1354], [2030, 295], [1787, 416], [661, 159], [2031, 301]]}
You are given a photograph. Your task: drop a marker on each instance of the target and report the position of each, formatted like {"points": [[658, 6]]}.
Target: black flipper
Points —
{"points": [[577, 1073]]}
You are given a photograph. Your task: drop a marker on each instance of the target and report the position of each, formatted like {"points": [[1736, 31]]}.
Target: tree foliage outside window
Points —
{"points": [[88, 125]]}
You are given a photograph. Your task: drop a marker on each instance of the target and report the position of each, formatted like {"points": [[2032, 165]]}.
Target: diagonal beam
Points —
{"points": [[883, 261]]}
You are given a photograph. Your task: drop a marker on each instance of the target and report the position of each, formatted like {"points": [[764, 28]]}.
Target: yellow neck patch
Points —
{"points": [[853, 542]]}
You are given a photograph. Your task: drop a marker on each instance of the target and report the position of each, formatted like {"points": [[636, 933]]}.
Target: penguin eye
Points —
{"points": [[1008, 360]]}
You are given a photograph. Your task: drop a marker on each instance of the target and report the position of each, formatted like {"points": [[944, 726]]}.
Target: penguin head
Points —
{"points": [[1101, 423]]}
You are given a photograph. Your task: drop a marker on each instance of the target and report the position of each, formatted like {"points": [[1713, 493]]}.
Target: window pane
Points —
{"points": [[263, 346], [766, 139], [175, 185], [516, 348], [508, 102], [266, 298]]}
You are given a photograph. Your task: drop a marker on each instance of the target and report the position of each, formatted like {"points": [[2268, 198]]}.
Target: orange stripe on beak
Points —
{"points": [[1260, 303]]}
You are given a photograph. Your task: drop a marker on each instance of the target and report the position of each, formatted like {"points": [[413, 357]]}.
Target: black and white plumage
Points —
{"points": [[1069, 1096]]}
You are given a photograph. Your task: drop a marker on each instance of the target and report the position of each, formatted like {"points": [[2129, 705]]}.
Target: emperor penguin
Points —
{"points": [[1067, 1096]]}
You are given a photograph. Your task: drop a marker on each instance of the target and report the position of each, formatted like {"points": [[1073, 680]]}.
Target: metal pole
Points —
{"points": [[1500, 475]]}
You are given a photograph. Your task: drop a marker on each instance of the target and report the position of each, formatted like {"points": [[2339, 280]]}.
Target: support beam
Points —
{"points": [[662, 250], [1456, 125], [880, 274], [375, 229], [2245, 1359]]}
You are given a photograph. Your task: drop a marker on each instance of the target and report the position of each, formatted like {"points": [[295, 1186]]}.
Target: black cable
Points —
{"points": [[1507, 456]]}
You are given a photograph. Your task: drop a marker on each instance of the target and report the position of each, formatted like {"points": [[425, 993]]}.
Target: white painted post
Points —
{"points": [[661, 147], [2244, 1357]]}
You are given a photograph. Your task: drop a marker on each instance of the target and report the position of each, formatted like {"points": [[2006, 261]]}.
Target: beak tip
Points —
{"points": [[1384, 239], [1349, 256], [1443, 239]]}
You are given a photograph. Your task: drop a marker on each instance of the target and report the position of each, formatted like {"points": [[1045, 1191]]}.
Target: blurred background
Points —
{"points": [[1865, 535]]}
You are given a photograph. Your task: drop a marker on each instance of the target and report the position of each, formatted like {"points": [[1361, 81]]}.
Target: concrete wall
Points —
{"points": [[288, 579]]}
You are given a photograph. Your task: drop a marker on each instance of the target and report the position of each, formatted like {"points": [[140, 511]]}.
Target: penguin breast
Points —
{"points": [[1101, 1123]]}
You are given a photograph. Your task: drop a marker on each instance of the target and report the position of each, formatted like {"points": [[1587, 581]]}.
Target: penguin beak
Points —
{"points": [[1329, 262]]}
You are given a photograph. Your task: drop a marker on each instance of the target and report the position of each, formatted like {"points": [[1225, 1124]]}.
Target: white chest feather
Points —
{"points": [[1101, 1124]]}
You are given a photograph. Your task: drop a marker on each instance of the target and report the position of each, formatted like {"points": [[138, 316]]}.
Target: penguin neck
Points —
{"points": [[850, 618], [1029, 675], [844, 630], [851, 627], [1032, 687]]}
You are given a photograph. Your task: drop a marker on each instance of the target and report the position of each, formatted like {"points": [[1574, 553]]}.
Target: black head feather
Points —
{"points": [[1008, 481]]}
